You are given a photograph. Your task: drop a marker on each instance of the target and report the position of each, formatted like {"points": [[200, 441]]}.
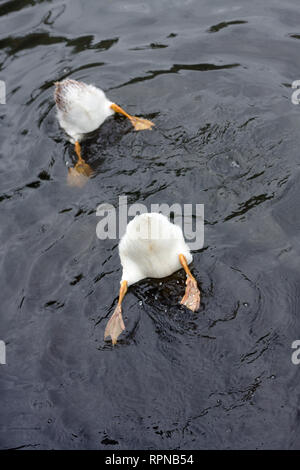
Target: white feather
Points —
{"points": [[84, 108], [151, 247]]}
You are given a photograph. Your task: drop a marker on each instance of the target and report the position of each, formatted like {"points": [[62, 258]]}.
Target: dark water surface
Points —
{"points": [[215, 76]]}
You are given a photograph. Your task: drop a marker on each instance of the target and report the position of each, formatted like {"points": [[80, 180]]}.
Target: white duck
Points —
{"points": [[81, 109], [152, 247]]}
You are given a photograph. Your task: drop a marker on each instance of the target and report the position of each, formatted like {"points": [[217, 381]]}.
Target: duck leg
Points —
{"points": [[191, 297], [139, 124], [115, 325], [81, 166], [77, 175]]}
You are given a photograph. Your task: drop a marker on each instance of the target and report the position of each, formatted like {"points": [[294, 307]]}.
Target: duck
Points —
{"points": [[82, 108], [152, 247]]}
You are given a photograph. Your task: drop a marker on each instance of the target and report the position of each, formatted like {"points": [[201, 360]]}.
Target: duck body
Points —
{"points": [[151, 247], [81, 108]]}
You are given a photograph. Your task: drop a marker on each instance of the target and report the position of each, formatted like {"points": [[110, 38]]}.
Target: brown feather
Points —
{"points": [[59, 96], [60, 92]]}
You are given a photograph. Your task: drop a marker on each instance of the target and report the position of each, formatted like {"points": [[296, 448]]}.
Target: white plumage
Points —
{"points": [[151, 247], [81, 108]]}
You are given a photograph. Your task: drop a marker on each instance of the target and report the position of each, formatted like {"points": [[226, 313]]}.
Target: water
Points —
{"points": [[216, 79]]}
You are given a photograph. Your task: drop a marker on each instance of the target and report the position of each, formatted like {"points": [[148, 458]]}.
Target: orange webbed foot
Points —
{"points": [[141, 124], [191, 297], [79, 174], [115, 325]]}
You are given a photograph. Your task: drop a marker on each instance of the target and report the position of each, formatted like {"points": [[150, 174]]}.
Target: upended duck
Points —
{"points": [[81, 109], [152, 247]]}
